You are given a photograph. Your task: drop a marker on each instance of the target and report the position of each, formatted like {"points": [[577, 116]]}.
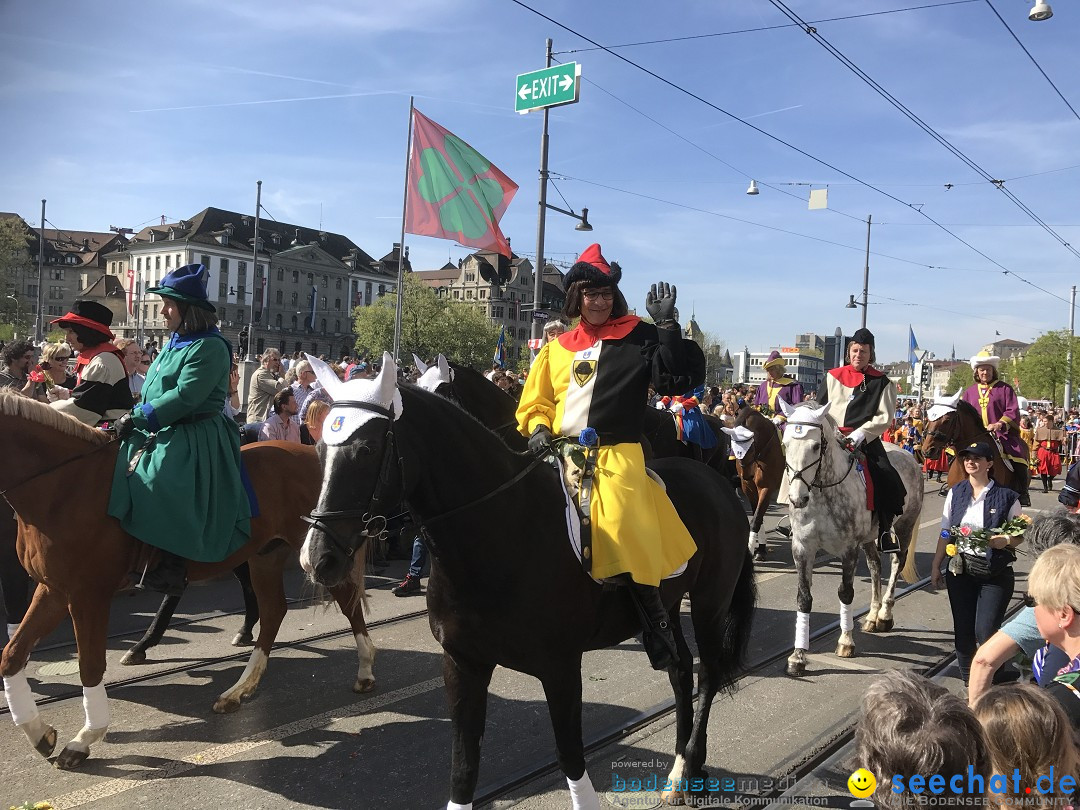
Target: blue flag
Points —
{"points": [[500, 349], [913, 346]]}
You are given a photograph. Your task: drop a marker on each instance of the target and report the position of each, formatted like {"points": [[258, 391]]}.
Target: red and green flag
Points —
{"points": [[454, 192]]}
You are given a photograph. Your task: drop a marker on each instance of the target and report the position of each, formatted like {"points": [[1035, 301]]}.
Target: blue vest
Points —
{"points": [[997, 502]]}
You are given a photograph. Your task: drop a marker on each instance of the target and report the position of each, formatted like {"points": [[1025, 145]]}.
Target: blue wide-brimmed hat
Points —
{"points": [[186, 284]]}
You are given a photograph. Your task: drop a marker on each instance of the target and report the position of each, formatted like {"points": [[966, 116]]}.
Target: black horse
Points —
{"points": [[538, 611]]}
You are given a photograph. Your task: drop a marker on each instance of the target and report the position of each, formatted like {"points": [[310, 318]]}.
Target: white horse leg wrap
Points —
{"points": [[11, 628], [20, 699], [96, 706], [847, 618], [802, 631], [456, 806], [753, 540], [582, 793]]}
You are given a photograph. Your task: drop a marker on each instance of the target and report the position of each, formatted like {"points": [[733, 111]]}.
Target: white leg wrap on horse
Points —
{"points": [[753, 540], [96, 706], [582, 793], [11, 628], [456, 806], [802, 631], [20, 699], [847, 618], [365, 651]]}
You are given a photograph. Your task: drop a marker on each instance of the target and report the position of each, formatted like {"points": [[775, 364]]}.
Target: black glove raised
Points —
{"points": [[660, 302], [124, 426], [540, 440]]}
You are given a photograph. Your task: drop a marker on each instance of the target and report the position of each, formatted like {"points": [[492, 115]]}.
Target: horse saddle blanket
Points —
{"points": [[568, 479]]}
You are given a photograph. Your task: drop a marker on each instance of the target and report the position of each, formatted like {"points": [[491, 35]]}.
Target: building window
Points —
{"points": [[382, 290], [326, 282], [337, 326], [240, 315], [295, 276], [157, 262], [56, 293], [337, 284], [168, 261], [468, 293], [278, 298], [322, 303], [470, 277], [294, 323], [224, 266], [483, 293], [311, 278], [281, 274], [259, 271], [204, 260], [179, 259], [241, 272], [322, 323], [223, 287], [367, 292], [138, 264], [456, 294], [294, 299]]}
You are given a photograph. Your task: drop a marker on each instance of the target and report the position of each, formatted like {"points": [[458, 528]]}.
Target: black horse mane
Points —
{"points": [[966, 408]]}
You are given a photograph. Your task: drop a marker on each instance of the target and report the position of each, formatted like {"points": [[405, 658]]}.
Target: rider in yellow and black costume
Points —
{"points": [[597, 375]]}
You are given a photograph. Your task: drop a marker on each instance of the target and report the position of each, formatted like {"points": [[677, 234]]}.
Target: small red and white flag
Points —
{"points": [[131, 291], [536, 343]]}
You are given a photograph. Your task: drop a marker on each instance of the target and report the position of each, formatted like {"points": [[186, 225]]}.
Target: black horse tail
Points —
{"points": [[735, 628]]}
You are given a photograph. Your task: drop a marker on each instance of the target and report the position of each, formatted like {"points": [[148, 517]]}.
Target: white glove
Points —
{"points": [[778, 420], [857, 437], [57, 392]]}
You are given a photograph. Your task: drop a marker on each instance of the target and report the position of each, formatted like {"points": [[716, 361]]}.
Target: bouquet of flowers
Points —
{"points": [[40, 375], [976, 542]]}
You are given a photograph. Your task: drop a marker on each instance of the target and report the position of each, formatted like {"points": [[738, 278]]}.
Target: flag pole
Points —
{"points": [[401, 245]]}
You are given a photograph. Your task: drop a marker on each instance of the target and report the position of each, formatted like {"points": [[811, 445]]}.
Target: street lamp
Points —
{"points": [[18, 312], [852, 303], [538, 281], [1040, 11]]}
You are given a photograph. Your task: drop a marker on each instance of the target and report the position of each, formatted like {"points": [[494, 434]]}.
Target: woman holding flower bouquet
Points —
{"points": [[597, 376], [981, 525]]}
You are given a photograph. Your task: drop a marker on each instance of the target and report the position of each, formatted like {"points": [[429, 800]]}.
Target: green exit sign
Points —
{"points": [[550, 87]]}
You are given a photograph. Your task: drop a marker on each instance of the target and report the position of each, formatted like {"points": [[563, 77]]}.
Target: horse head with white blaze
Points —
{"points": [[808, 439]]}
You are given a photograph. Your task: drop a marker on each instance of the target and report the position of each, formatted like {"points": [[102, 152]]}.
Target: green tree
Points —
{"points": [[15, 309], [429, 326], [959, 380], [1045, 366]]}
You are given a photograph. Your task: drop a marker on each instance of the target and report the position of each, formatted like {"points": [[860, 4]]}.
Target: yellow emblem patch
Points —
{"points": [[584, 371]]}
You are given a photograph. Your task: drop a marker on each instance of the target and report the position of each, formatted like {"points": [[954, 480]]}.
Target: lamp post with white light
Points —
{"points": [[852, 303]]}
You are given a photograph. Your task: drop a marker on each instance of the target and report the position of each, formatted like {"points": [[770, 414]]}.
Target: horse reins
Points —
{"points": [[317, 519], [797, 475]]}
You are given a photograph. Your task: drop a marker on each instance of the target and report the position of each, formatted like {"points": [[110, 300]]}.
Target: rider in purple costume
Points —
{"points": [[995, 401]]}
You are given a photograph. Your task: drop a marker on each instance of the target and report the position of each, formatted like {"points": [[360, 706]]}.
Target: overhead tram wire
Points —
{"points": [[1033, 60], [915, 119], [767, 27], [938, 309], [782, 142], [857, 248]]}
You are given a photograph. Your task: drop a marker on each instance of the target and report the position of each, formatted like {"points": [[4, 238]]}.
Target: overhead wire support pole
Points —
{"points": [[1069, 354], [254, 272], [39, 328], [866, 275], [538, 280]]}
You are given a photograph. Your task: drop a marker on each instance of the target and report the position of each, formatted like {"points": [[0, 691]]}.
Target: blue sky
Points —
{"points": [[120, 112]]}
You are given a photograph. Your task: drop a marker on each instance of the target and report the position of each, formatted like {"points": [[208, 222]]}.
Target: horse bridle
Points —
{"points": [[950, 440], [371, 515], [797, 475]]}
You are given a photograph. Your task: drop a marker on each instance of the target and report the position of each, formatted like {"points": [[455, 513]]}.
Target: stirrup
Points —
{"points": [[890, 545]]}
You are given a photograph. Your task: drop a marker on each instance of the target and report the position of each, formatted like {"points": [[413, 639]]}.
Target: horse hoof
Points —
{"points": [[133, 657], [870, 626], [226, 705], [70, 759], [884, 625], [243, 639], [47, 744], [761, 553], [363, 685], [845, 650], [796, 669]]}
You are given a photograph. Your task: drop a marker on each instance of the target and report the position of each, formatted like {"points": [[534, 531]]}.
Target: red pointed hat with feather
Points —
{"points": [[593, 269]]}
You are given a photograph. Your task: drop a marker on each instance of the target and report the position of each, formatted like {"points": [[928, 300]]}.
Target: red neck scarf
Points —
{"points": [[585, 334], [86, 355]]}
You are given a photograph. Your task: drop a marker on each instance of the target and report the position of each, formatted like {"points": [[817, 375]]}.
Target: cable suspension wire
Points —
{"points": [[779, 140], [939, 309], [1033, 61], [919, 122], [769, 27]]}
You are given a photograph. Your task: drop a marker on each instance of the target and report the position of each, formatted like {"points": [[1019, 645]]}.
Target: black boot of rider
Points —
{"points": [[656, 630], [887, 542], [169, 577]]}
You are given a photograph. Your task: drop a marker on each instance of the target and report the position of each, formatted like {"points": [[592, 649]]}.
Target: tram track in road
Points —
{"points": [[613, 734], [188, 666]]}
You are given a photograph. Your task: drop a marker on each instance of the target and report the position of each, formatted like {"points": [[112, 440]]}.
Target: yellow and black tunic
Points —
{"points": [[598, 377]]}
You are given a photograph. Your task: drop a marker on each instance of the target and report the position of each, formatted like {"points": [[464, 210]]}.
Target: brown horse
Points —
{"points": [[81, 557], [957, 424], [761, 468]]}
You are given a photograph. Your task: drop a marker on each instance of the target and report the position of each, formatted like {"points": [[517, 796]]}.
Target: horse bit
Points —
{"points": [[797, 475]]}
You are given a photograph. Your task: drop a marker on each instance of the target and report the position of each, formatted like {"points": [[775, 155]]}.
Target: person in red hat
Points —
{"points": [[101, 392], [597, 376]]}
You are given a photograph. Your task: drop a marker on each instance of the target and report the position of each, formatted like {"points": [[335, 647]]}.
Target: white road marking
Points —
{"points": [[209, 756]]}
